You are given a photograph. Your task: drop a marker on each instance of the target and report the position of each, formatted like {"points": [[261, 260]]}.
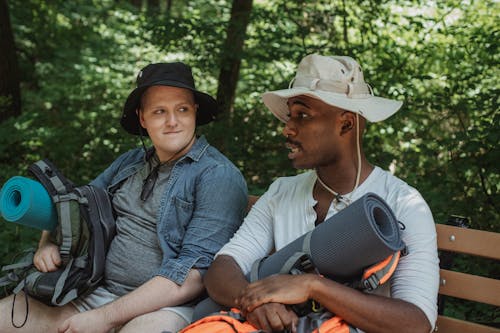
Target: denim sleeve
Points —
{"points": [[104, 179], [220, 204]]}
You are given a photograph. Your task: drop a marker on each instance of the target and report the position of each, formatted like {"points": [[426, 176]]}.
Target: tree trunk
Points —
{"points": [[344, 21], [231, 55], [137, 3], [153, 4], [9, 70]]}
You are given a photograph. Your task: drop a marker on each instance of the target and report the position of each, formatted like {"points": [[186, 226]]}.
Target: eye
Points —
{"points": [[158, 111], [299, 115], [186, 107]]}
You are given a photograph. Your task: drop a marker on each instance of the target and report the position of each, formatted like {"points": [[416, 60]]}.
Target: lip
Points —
{"points": [[294, 147], [171, 132]]}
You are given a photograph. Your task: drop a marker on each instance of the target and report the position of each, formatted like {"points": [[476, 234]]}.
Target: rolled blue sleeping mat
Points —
{"points": [[362, 234], [27, 202]]}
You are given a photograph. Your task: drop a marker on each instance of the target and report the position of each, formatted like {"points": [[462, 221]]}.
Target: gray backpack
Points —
{"points": [[86, 226]]}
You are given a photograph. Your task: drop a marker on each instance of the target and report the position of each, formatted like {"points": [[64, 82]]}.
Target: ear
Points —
{"points": [[140, 116], [347, 122]]}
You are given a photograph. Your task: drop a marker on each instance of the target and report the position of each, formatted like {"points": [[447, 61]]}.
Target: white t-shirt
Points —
{"points": [[286, 212]]}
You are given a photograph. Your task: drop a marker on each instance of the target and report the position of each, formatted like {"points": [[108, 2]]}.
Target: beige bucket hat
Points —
{"points": [[337, 81]]}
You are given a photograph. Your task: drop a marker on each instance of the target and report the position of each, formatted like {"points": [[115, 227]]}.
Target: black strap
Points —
{"points": [[27, 308]]}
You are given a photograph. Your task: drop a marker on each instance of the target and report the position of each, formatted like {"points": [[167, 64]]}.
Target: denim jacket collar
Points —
{"points": [[195, 153], [198, 148]]}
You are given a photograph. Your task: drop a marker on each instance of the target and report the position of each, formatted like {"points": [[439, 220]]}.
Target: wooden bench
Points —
{"points": [[463, 285]]}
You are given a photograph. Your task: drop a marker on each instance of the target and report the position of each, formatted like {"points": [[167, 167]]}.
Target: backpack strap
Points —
{"points": [[254, 271], [297, 263], [50, 177], [9, 279], [300, 260], [17, 271], [306, 243], [374, 275], [66, 201], [379, 273], [26, 262], [68, 206], [19, 287], [58, 289]]}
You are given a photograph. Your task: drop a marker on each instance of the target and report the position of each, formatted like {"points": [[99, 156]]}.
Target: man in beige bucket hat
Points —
{"points": [[325, 111]]}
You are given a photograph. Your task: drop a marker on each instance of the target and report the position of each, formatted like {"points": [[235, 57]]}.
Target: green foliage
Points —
{"points": [[79, 59]]}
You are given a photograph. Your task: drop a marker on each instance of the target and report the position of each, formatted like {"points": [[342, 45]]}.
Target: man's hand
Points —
{"points": [[273, 317], [263, 302], [47, 258], [283, 288], [93, 321]]}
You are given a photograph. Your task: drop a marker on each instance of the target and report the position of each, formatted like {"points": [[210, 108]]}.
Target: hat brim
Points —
{"points": [[372, 108], [207, 107]]}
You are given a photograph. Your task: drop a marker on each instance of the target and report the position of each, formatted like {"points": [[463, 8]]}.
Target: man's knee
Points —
{"points": [[31, 315], [158, 321], [9, 315]]}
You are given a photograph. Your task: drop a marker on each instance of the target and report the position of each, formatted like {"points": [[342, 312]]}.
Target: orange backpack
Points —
{"points": [[312, 317], [233, 322], [323, 322], [334, 325], [223, 322]]}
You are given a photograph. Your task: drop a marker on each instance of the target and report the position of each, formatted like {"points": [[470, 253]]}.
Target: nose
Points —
{"points": [[170, 119], [289, 129]]}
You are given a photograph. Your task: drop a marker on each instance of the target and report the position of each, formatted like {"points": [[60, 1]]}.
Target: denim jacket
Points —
{"points": [[203, 204]]}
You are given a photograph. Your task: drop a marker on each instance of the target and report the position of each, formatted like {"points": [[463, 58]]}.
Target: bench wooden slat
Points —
{"points": [[470, 287], [448, 324], [468, 241]]}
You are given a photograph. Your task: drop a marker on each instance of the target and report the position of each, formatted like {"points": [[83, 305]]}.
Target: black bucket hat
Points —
{"points": [[176, 74]]}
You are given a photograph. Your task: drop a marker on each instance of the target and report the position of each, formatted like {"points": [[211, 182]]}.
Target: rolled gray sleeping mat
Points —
{"points": [[340, 248]]}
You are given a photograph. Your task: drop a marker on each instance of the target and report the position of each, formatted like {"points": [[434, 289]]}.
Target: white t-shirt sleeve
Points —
{"points": [[416, 279], [281, 215]]}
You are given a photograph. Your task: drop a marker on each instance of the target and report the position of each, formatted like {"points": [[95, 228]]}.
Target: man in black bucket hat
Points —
{"points": [[171, 218]]}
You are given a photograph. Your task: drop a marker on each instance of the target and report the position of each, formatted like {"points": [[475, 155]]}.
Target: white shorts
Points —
{"points": [[102, 296]]}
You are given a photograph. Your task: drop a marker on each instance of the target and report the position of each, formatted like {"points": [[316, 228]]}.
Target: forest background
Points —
{"points": [[66, 68]]}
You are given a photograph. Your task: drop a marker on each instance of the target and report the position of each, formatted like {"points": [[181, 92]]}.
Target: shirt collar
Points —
{"points": [[200, 145], [197, 150]]}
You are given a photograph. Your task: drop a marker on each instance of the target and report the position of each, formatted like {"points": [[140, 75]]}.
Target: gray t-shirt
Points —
{"points": [[135, 255]]}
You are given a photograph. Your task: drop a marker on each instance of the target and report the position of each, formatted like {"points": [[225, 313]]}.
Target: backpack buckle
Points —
{"points": [[371, 283]]}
